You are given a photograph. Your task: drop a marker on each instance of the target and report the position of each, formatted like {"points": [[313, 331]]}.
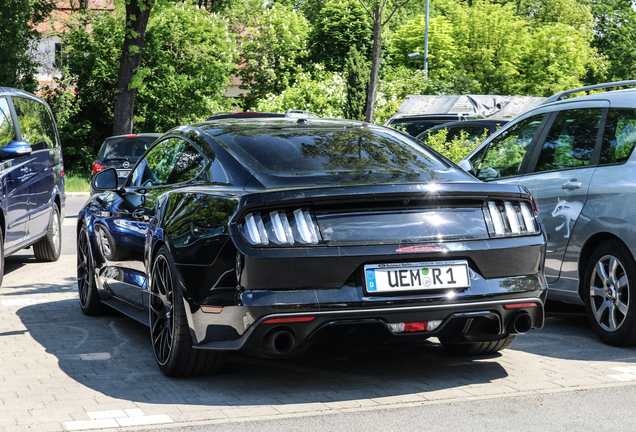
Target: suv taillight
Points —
{"points": [[97, 167]]}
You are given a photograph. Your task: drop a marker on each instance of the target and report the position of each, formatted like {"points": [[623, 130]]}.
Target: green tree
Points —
{"points": [[324, 95], [188, 60], [442, 45], [18, 19], [90, 69], [456, 148], [615, 36], [357, 85], [136, 22], [557, 59], [491, 41], [340, 25], [376, 10], [273, 49]]}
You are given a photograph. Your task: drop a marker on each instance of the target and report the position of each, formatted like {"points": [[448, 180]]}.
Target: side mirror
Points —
{"points": [[105, 180], [15, 150], [466, 166]]}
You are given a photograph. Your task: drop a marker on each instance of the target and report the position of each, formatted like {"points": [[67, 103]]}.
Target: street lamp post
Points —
{"points": [[426, 42]]}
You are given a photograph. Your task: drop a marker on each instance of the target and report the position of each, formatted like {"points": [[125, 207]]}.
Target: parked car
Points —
{"points": [[121, 152], [473, 129], [416, 124], [32, 177], [576, 157], [267, 235]]}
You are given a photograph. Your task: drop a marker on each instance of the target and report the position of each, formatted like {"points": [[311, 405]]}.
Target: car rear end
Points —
{"points": [[462, 262], [122, 152]]}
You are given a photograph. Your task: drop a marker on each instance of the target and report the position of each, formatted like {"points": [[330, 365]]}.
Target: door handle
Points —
{"points": [[572, 184], [24, 169]]}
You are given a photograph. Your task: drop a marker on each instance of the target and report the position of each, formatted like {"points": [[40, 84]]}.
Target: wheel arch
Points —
{"points": [[586, 251]]}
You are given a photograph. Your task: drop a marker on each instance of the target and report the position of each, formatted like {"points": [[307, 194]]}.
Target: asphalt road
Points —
{"points": [[585, 410]]}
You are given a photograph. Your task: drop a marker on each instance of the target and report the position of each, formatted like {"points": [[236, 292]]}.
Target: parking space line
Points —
{"points": [[116, 419]]}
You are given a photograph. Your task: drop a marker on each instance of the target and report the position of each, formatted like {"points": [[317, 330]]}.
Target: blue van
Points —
{"points": [[31, 177]]}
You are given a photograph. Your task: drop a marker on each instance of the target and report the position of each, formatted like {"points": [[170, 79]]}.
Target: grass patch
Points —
{"points": [[77, 182]]}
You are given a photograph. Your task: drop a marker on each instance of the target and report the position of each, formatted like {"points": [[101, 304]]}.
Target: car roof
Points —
{"points": [[427, 117], [8, 91], [150, 134], [231, 125], [624, 98]]}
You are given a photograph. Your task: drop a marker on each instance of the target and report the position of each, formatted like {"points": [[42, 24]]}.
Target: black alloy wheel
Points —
{"points": [[610, 299], [169, 330], [90, 303]]}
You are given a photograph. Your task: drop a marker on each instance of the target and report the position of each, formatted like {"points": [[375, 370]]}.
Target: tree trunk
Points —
{"points": [[137, 14], [375, 62]]}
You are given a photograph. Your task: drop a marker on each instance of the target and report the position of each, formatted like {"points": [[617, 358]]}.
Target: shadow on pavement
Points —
{"points": [[111, 354], [567, 335]]}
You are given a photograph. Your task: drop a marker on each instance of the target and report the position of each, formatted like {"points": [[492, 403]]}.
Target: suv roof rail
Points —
{"points": [[563, 94]]}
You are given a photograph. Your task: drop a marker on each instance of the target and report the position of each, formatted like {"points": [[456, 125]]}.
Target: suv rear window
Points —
{"points": [[124, 147], [330, 151]]}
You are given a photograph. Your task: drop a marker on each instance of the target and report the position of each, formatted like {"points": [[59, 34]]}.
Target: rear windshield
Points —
{"points": [[125, 147], [416, 127], [330, 151]]}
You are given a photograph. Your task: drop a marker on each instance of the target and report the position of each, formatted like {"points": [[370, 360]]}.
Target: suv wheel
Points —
{"points": [[49, 247], [610, 300]]}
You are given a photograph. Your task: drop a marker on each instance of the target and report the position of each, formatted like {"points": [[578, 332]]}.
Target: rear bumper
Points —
{"points": [[483, 319]]}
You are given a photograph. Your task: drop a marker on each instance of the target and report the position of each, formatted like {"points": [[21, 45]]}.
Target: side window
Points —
{"points": [[170, 161], [619, 138], [7, 130], [506, 152], [571, 140], [36, 124]]}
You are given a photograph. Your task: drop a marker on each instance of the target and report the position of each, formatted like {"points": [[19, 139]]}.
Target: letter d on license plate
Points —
{"points": [[416, 276]]}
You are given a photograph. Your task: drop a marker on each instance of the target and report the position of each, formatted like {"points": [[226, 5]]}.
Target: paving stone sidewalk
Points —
{"points": [[62, 370]]}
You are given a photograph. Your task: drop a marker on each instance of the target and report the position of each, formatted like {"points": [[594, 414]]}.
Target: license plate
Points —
{"points": [[416, 276], [123, 173]]}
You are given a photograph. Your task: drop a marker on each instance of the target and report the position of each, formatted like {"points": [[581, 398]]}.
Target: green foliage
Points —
{"points": [[77, 182], [409, 38], [455, 149], [557, 59], [187, 61], [273, 49], [489, 48], [399, 82], [323, 95], [357, 85], [18, 19], [340, 26], [615, 37]]}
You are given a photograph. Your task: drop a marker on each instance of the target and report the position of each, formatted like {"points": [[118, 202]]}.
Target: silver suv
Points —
{"points": [[576, 157]]}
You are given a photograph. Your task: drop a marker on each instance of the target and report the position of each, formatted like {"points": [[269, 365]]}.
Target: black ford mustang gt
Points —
{"points": [[267, 235]]}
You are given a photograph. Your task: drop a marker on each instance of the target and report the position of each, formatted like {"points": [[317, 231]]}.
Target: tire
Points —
{"points": [[609, 293], [475, 348], [90, 303], [49, 247], [108, 246], [169, 330]]}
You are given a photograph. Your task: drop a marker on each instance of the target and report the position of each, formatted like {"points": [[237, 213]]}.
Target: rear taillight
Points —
{"points": [[97, 167], [510, 218], [279, 227]]}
